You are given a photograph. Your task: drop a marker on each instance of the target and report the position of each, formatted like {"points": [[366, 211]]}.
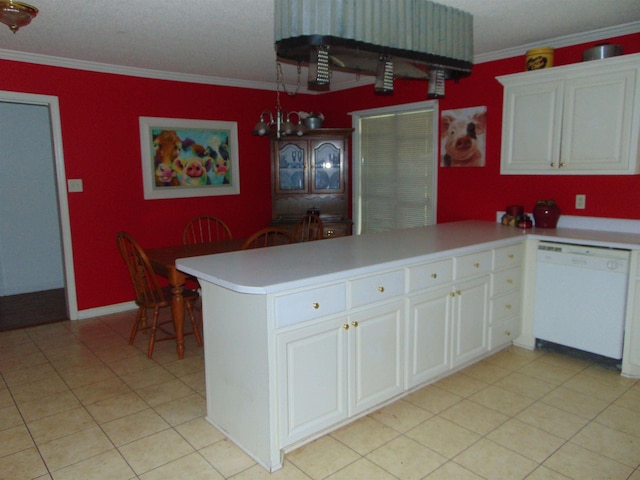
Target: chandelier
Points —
{"points": [[16, 14], [281, 122], [415, 39]]}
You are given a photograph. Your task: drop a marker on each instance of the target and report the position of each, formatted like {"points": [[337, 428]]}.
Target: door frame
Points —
{"points": [[52, 104]]}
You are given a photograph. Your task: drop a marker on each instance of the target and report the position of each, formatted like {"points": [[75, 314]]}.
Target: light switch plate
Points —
{"points": [[581, 201], [74, 185]]}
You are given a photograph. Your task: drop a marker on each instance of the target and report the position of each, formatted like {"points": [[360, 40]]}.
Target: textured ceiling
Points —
{"points": [[232, 41]]}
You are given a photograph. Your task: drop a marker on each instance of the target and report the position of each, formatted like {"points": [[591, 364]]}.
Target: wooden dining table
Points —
{"points": [[163, 262]]}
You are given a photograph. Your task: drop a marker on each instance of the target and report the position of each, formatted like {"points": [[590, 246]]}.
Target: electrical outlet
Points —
{"points": [[581, 201], [74, 185]]}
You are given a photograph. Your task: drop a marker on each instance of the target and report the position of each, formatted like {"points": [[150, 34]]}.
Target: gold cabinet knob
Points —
{"points": [[345, 326], [315, 305], [477, 265], [452, 294], [508, 306], [507, 333], [355, 324], [562, 164], [509, 281], [552, 164], [330, 233], [381, 289], [434, 275], [459, 292], [511, 256]]}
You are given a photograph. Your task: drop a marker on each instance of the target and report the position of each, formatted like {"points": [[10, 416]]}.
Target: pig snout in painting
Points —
{"points": [[463, 139]]}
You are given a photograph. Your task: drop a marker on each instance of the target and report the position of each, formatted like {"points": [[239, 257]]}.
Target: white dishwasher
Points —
{"points": [[580, 297]]}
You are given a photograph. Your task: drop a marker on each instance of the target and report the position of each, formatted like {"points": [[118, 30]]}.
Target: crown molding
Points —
{"points": [[559, 42], [53, 61], [62, 62]]}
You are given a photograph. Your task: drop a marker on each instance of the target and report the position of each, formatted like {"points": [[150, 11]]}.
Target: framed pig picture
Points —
{"points": [[189, 158], [462, 137]]}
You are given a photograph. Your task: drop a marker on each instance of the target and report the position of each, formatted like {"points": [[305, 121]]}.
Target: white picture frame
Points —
{"points": [[189, 158]]}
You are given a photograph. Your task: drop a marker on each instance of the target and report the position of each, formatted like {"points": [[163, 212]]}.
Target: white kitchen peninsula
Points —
{"points": [[304, 338]]}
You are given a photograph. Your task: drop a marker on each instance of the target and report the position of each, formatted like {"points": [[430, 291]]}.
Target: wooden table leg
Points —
{"points": [[177, 309]]}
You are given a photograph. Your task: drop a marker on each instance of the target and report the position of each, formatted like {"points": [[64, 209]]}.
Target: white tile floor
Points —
{"points": [[77, 402]]}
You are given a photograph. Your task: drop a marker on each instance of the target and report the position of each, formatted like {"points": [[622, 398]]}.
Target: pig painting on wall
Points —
{"points": [[462, 137]]}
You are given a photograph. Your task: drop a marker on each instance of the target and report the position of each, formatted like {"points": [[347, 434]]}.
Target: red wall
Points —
{"points": [[101, 141], [99, 114], [477, 193]]}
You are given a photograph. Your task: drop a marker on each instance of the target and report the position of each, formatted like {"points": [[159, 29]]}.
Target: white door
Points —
{"points": [[58, 240], [30, 239], [470, 319], [532, 118], [597, 121], [376, 367], [429, 336], [312, 379]]}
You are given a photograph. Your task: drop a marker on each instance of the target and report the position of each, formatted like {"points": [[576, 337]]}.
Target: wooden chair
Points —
{"points": [[205, 229], [267, 237], [308, 228], [149, 294]]}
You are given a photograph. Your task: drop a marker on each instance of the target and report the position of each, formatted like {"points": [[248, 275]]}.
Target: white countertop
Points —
{"points": [[274, 269]]}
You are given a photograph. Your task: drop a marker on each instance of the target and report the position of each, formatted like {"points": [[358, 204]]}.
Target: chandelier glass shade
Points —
{"points": [[16, 14]]}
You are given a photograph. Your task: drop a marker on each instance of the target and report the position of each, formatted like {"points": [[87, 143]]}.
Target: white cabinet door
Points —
{"points": [[631, 357], [376, 365], [531, 123], [429, 336], [597, 122], [312, 379], [470, 313]]}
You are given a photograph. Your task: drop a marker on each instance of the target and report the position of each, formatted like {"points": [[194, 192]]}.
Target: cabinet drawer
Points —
{"points": [[473, 264], [376, 288], [503, 333], [430, 275], [310, 304], [504, 306], [506, 280], [505, 257]]}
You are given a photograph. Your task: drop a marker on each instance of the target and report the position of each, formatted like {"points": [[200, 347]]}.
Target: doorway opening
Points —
{"points": [[36, 286]]}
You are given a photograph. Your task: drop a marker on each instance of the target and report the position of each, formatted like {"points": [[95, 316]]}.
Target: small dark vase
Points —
{"points": [[546, 214]]}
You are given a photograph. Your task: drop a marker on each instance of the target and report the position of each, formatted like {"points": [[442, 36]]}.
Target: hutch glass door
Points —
{"points": [[291, 167], [327, 167]]}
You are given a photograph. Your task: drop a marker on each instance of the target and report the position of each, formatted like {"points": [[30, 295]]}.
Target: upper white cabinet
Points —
{"points": [[580, 119]]}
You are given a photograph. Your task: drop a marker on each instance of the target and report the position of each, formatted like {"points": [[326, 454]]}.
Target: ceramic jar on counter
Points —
{"points": [[546, 214]]}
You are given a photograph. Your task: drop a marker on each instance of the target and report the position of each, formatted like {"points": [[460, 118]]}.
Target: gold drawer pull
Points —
{"points": [[477, 265], [381, 289], [315, 305], [507, 333], [355, 324], [345, 326], [511, 256], [509, 281], [434, 275], [452, 294], [508, 306]]}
